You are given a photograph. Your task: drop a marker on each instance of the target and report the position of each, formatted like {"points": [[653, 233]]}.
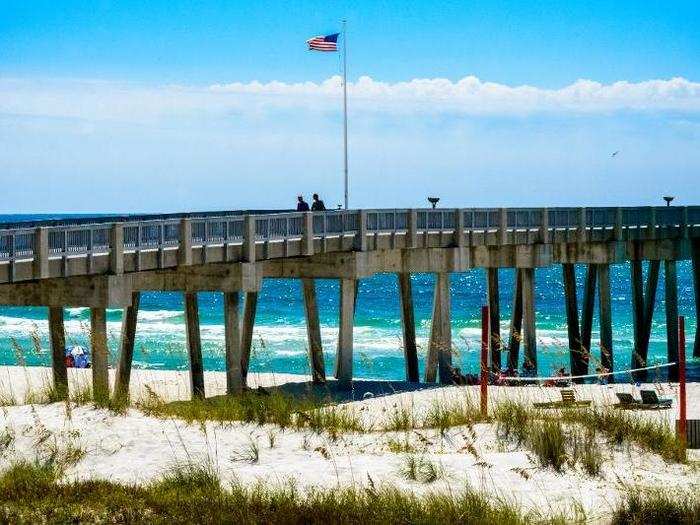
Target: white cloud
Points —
{"points": [[100, 100]]}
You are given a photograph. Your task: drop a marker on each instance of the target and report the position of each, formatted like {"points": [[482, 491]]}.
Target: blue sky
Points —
{"points": [[167, 105]]}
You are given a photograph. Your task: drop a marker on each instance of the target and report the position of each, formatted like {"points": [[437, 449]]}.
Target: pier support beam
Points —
{"points": [[605, 313], [587, 319], [408, 326], [579, 334], [530, 332], [313, 332], [126, 354], [494, 319], [671, 297], [696, 283], [249, 309], [642, 310], [100, 353], [57, 337], [343, 360], [194, 345], [516, 321], [440, 345], [232, 335], [572, 324]]}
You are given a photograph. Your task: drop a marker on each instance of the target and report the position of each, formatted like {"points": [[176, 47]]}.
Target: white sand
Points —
{"points": [[137, 448]]}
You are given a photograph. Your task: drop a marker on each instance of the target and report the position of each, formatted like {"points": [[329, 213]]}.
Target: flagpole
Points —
{"points": [[345, 111]]}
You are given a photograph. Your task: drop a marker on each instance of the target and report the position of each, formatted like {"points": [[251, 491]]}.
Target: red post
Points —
{"points": [[681, 380], [484, 359]]}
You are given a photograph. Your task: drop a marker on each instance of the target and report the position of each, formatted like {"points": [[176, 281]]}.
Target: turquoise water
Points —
{"points": [[280, 333]]}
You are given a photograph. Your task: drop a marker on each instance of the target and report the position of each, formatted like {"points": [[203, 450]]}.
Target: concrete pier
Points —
{"points": [[106, 262], [233, 343], [494, 319], [194, 345], [439, 360], [605, 313], [100, 354], [313, 332], [408, 327], [516, 322], [128, 338], [529, 324], [57, 339], [343, 360]]}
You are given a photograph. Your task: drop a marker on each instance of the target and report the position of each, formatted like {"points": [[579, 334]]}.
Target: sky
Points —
{"points": [[126, 106]]}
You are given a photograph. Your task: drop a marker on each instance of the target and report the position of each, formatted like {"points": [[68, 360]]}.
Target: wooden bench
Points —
{"points": [[568, 400]]}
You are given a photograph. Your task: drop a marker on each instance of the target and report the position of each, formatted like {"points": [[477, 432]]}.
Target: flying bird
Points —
{"points": [[615, 153]]}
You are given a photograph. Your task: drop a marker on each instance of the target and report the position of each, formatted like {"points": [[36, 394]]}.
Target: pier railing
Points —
{"points": [[41, 243]]}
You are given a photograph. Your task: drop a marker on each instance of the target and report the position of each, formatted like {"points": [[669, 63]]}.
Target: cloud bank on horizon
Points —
{"points": [[85, 145], [98, 100]]}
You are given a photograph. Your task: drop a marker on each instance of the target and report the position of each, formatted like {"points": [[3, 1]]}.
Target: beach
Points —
{"points": [[133, 447]]}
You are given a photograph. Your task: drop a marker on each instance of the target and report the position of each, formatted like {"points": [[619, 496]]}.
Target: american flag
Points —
{"points": [[323, 43]]}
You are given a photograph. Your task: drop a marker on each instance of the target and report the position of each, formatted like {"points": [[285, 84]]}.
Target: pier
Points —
{"points": [[106, 262]]}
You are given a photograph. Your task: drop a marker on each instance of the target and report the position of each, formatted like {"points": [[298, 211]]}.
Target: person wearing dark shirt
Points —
{"points": [[317, 204], [302, 205]]}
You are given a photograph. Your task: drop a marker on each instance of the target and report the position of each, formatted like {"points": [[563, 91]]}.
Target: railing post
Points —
{"points": [[618, 224], [459, 228], [116, 252], [582, 225], [11, 256], [412, 234], [503, 226], [161, 242], [184, 253], [683, 226], [544, 227], [64, 253], [307, 239], [90, 260], [249, 238], [651, 227], [41, 253], [361, 235]]}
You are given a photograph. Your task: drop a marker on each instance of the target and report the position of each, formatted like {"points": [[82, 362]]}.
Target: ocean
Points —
{"points": [[280, 331]]}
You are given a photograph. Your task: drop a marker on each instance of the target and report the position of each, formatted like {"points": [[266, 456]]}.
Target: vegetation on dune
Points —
{"points": [[192, 493], [622, 426], [643, 506], [421, 468], [31, 492], [284, 410], [551, 433]]}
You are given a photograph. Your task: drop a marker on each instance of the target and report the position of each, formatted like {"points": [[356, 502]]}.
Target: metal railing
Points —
{"points": [[63, 241]]}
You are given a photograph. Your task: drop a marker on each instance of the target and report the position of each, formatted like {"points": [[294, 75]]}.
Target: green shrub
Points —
{"points": [[548, 441], [643, 506]]}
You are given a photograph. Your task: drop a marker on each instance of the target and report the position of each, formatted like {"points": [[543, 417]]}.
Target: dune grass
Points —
{"points": [[444, 414], [194, 494], [643, 506], [284, 410], [621, 426], [515, 421], [421, 468]]}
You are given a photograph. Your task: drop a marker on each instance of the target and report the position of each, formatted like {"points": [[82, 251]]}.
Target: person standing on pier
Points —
{"points": [[302, 205], [317, 205]]}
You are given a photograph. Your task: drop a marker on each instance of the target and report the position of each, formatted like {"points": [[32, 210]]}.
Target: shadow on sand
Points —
{"points": [[340, 392]]}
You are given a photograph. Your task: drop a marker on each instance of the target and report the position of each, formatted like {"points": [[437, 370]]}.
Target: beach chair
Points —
{"points": [[568, 400], [651, 400], [627, 400]]}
